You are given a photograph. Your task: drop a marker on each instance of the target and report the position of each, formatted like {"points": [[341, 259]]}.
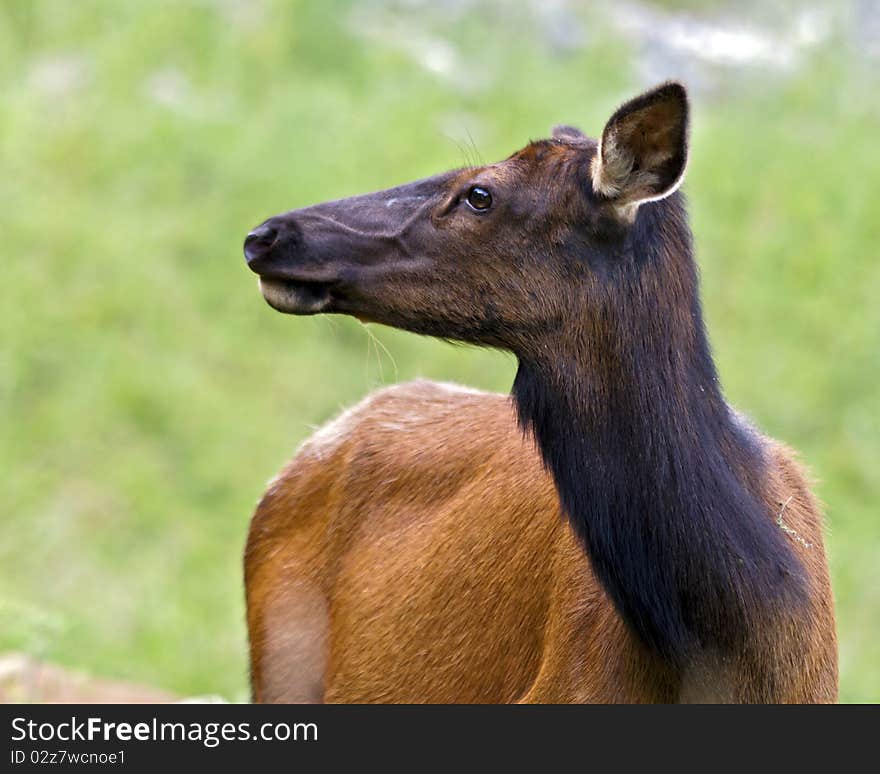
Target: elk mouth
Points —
{"points": [[293, 296]]}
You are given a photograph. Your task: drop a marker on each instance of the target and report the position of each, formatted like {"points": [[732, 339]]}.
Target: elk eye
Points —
{"points": [[479, 199]]}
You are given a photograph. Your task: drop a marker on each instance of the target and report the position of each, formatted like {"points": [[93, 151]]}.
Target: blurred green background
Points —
{"points": [[147, 392]]}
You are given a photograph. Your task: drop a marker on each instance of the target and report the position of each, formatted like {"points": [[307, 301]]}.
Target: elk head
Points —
{"points": [[497, 255]]}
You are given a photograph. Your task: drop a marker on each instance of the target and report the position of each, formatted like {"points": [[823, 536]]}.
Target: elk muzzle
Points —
{"points": [[320, 258]]}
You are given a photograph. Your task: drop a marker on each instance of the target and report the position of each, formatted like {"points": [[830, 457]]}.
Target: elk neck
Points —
{"points": [[660, 480]]}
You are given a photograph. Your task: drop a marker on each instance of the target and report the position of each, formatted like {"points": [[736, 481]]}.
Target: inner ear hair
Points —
{"points": [[642, 153]]}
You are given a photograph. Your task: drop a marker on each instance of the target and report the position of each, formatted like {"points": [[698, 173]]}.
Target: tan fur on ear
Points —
{"points": [[610, 166], [642, 153]]}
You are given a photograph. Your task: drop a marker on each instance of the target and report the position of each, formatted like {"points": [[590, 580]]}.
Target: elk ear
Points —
{"points": [[644, 147], [565, 132]]}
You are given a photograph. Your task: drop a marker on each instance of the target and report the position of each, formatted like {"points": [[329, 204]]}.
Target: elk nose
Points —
{"points": [[259, 241]]}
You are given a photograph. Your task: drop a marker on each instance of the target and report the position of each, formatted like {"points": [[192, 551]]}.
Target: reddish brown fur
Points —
{"points": [[432, 536]]}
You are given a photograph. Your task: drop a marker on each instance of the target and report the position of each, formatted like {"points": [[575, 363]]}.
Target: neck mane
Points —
{"points": [[660, 481]]}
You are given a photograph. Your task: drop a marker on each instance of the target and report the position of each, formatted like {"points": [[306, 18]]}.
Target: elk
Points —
{"points": [[612, 531]]}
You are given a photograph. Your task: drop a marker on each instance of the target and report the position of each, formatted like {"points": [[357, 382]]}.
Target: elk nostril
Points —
{"points": [[259, 241]]}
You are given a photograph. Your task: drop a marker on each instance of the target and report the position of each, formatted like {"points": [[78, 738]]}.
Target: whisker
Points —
{"points": [[376, 342]]}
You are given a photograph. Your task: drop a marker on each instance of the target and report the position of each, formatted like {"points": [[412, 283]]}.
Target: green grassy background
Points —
{"points": [[146, 390]]}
